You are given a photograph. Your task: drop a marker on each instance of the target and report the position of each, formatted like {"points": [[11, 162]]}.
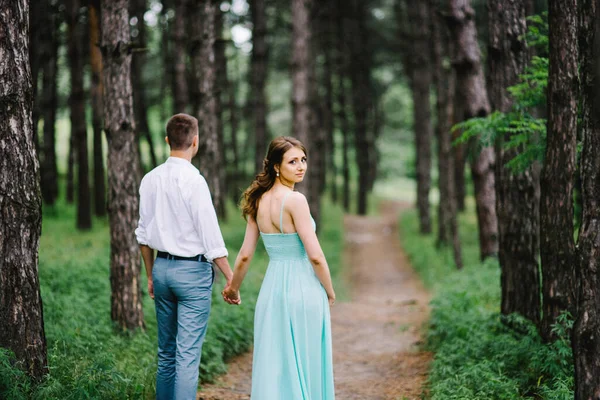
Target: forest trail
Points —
{"points": [[376, 335]]}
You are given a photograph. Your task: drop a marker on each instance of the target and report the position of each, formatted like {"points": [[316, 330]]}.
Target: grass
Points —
{"points": [[479, 353], [88, 358]]}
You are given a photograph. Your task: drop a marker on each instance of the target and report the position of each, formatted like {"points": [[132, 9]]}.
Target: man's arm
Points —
{"points": [[148, 257]]}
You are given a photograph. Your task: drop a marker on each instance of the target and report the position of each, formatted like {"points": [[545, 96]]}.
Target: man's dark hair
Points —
{"points": [[181, 130]]}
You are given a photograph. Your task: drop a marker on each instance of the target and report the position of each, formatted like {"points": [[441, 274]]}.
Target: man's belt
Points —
{"points": [[164, 254]]}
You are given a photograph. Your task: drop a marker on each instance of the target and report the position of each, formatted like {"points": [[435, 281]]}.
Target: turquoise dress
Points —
{"points": [[292, 327]]}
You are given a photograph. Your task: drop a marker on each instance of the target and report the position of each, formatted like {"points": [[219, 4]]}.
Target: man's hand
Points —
{"points": [[231, 296], [151, 288]]}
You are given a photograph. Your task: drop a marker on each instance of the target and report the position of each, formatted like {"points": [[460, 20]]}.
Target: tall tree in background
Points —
{"points": [[342, 63], [258, 79], [473, 100], [304, 125], [20, 200], [445, 82], [180, 81], [203, 59], [557, 246], [326, 23], [123, 159], [48, 105], [586, 342], [361, 99], [137, 9], [517, 201], [221, 90], [97, 106], [414, 19], [77, 108]]}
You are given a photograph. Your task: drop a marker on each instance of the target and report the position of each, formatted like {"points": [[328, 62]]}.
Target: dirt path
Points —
{"points": [[376, 335]]}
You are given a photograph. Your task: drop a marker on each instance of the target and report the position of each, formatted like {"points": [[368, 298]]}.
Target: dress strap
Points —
{"points": [[281, 212]]}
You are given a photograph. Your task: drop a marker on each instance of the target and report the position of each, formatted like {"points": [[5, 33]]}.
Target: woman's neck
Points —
{"points": [[279, 183]]}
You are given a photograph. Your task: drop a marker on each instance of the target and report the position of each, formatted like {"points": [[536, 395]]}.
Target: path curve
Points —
{"points": [[376, 336]]}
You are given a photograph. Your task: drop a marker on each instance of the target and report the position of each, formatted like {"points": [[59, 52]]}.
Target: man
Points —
{"points": [[178, 219]]}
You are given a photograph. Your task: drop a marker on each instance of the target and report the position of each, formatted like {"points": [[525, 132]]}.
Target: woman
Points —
{"points": [[292, 329]]}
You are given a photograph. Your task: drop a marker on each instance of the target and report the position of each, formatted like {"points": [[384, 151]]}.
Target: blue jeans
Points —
{"points": [[182, 295]]}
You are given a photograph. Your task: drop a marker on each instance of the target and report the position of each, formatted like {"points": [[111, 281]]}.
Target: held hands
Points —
{"points": [[231, 296]]}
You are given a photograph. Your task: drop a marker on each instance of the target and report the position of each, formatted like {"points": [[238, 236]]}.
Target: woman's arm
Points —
{"points": [[300, 212], [242, 261]]}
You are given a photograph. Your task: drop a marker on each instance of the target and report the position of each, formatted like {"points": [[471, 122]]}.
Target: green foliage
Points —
{"points": [[88, 358], [479, 353], [518, 130]]}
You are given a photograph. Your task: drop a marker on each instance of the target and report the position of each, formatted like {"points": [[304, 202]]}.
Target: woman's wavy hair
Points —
{"points": [[265, 179]]}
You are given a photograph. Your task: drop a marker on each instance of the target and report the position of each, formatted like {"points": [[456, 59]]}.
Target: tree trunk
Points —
{"points": [[138, 9], [20, 199], [361, 94], [71, 169], [418, 66], [180, 80], [472, 95], [445, 82], [517, 204], [557, 245], [123, 161], [39, 17], [586, 342], [221, 89], [341, 68], [460, 161], [97, 107], [48, 104], [77, 108], [258, 79], [209, 155], [328, 48], [304, 125]]}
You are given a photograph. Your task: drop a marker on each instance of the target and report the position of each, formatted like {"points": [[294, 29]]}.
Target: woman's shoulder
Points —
{"points": [[296, 199]]}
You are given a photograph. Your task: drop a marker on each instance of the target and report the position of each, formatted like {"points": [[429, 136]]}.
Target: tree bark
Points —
{"points": [[138, 9], [472, 95], [418, 66], [586, 342], [48, 104], [557, 247], [20, 198], [361, 93], [123, 161], [180, 80], [209, 155], [258, 80], [97, 107], [221, 89], [517, 204], [304, 125], [445, 82], [327, 43], [341, 69], [77, 108]]}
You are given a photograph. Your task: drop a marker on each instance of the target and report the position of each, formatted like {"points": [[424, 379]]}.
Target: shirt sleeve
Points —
{"points": [[140, 232], [205, 220]]}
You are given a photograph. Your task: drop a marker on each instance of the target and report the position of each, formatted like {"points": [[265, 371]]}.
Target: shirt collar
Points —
{"points": [[178, 160]]}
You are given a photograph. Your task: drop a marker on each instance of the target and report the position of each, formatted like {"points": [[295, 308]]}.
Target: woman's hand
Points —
{"points": [[231, 296], [331, 298]]}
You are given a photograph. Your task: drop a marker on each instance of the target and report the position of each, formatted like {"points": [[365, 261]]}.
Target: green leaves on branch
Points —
{"points": [[518, 130]]}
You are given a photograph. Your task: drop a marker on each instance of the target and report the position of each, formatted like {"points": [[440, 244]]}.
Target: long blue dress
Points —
{"points": [[292, 327]]}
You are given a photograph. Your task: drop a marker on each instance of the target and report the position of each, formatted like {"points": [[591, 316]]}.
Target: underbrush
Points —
{"points": [[88, 357], [479, 353]]}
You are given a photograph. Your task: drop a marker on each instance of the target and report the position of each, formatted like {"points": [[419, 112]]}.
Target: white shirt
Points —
{"points": [[176, 212]]}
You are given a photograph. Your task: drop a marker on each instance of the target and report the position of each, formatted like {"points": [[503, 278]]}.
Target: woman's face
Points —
{"points": [[293, 166]]}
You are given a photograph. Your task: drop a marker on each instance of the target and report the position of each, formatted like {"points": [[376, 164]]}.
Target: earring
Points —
{"points": [[278, 174]]}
